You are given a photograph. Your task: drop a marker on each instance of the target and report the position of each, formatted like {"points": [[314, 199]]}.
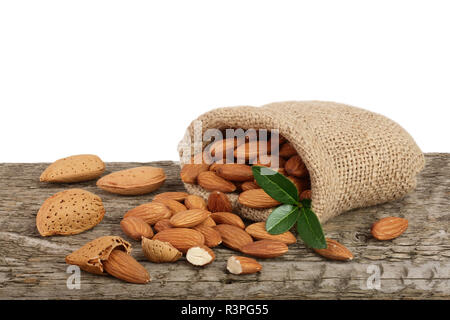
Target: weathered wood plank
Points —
{"points": [[416, 265]]}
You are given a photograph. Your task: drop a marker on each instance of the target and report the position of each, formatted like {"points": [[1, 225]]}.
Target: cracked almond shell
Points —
{"points": [[91, 256]]}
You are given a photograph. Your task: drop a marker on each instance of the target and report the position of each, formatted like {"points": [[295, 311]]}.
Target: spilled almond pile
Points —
{"points": [[173, 224], [215, 170]]}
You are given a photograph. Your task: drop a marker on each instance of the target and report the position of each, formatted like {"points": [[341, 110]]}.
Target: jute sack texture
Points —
{"points": [[355, 158]]}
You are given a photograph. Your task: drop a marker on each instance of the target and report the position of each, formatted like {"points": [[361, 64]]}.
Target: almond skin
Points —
{"points": [[306, 195], [265, 248], [302, 184], [195, 202], [162, 225], [200, 255], [123, 266], [258, 199], [190, 171], [235, 172], [389, 228], [150, 212], [224, 146], [83, 167], [228, 218], [295, 167], [252, 150], [181, 238], [215, 166], [335, 251], [268, 161], [212, 236], [219, 202], [258, 231], [136, 228], [209, 222], [287, 150], [212, 182], [173, 205], [243, 265], [134, 181], [249, 185], [159, 251], [189, 218], [233, 237], [174, 195]]}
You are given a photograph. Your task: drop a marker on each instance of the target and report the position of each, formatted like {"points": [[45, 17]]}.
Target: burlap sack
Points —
{"points": [[355, 158]]}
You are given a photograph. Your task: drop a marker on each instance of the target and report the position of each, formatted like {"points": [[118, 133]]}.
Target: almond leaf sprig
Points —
{"points": [[292, 210]]}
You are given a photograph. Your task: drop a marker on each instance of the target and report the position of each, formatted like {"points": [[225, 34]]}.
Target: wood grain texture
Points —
{"points": [[413, 266]]}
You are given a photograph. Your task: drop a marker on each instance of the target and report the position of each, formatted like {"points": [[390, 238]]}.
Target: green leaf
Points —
{"points": [[276, 185], [309, 229], [282, 219]]}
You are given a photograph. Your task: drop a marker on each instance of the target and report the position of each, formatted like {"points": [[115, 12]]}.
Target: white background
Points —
{"points": [[123, 79]]}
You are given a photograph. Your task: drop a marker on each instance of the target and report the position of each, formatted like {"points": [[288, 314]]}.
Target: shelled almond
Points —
{"points": [[216, 173]]}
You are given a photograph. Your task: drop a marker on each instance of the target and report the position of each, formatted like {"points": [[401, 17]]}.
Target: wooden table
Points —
{"points": [[413, 266]]}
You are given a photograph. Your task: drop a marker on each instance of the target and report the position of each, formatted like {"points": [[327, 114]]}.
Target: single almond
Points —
{"points": [[265, 248], [249, 185], [212, 182], [189, 218], [181, 238], [150, 212], [287, 150], [174, 205], [228, 218], [134, 181], [235, 172], [270, 161], [123, 266], [69, 212], [172, 195], [296, 167], [389, 228], [219, 202], [215, 166], [258, 199], [136, 228], [243, 265], [200, 255], [258, 231], [306, 194], [190, 171], [252, 150], [212, 236], [162, 225], [302, 184], [159, 251], [335, 251], [77, 168], [224, 147], [209, 222], [195, 202], [233, 237]]}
